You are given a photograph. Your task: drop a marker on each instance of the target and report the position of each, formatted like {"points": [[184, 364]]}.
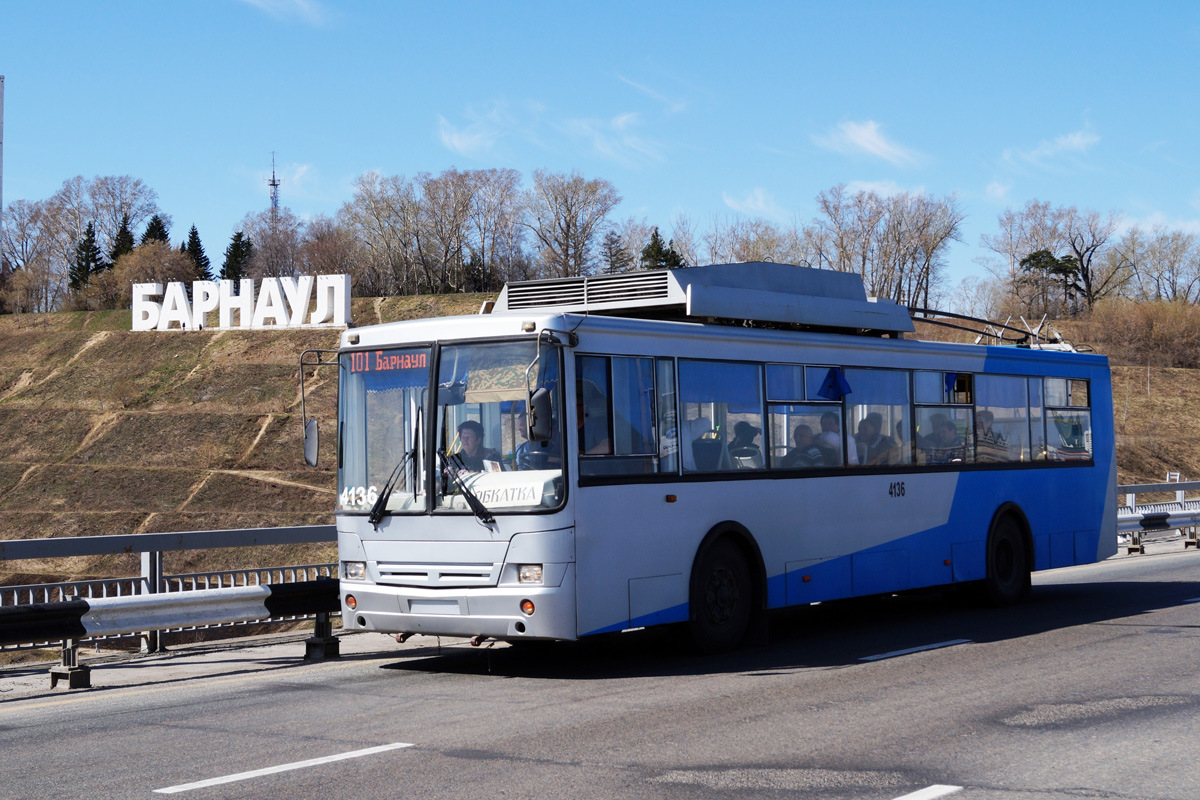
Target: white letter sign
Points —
{"points": [[280, 303]]}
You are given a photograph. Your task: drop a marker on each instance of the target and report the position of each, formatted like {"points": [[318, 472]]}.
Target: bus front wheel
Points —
{"points": [[1008, 568], [720, 598]]}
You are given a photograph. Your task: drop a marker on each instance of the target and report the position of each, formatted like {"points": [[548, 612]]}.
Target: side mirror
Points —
{"points": [[540, 425], [310, 442]]}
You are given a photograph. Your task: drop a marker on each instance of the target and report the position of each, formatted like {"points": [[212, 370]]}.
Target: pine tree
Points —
{"points": [[88, 259], [122, 242], [156, 231], [237, 257], [614, 255], [657, 255], [195, 251]]}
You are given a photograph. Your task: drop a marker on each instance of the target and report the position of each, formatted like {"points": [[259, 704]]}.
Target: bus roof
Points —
{"points": [[756, 291]]}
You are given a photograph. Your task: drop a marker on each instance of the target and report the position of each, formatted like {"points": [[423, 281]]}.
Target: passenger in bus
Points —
{"points": [[990, 444], [944, 445], [743, 450], [831, 435], [472, 453], [874, 448], [809, 451]]}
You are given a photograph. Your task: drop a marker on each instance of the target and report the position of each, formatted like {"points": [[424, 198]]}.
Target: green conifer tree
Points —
{"points": [[88, 259], [237, 257], [195, 251], [657, 255], [156, 231], [123, 242]]}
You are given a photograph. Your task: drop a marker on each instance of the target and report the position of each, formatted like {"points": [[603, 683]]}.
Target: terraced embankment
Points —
{"points": [[106, 431]]}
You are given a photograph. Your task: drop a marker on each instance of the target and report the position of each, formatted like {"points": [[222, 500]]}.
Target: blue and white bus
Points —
{"points": [[697, 447]]}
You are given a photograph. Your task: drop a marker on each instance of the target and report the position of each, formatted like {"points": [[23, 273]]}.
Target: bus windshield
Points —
{"points": [[481, 422], [382, 395]]}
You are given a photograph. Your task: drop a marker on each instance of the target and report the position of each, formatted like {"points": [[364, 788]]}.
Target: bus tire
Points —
{"points": [[721, 598], [1008, 565]]}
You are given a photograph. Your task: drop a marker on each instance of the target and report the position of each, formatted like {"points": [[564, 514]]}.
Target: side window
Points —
{"points": [[877, 407], [1002, 420], [721, 412], [615, 415], [945, 420], [1068, 420], [805, 427]]}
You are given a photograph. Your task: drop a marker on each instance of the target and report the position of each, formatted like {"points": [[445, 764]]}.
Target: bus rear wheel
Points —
{"points": [[1008, 568], [720, 598]]}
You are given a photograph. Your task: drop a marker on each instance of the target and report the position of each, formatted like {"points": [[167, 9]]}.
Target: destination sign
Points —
{"points": [[384, 360]]}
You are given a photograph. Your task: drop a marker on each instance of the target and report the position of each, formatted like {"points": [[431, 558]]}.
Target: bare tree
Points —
{"points": [[634, 234], [327, 248], [37, 281], [1087, 234], [276, 235], [684, 239], [443, 217], [1038, 226], [1165, 265], [382, 216], [496, 246], [566, 214]]}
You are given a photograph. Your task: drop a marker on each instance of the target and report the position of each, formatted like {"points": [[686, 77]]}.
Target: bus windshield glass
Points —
{"points": [[382, 396], [482, 427]]}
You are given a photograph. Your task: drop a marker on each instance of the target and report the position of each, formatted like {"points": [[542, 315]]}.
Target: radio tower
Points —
{"points": [[274, 184]]}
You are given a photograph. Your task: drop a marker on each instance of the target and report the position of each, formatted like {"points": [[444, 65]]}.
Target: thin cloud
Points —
{"points": [[484, 129], [615, 139], [866, 138], [671, 106], [998, 191], [756, 203], [309, 12], [470, 140], [1048, 152]]}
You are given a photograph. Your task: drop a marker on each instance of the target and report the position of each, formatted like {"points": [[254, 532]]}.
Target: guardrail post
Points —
{"points": [[77, 677], [322, 644], [152, 575]]}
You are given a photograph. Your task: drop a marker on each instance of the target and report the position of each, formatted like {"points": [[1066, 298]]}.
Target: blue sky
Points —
{"points": [[698, 107]]}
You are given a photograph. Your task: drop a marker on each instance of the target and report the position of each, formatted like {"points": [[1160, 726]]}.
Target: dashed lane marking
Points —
{"points": [[931, 792], [257, 773], [910, 650]]}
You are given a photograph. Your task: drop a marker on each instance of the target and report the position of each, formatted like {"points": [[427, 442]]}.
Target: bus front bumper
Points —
{"points": [[494, 612]]}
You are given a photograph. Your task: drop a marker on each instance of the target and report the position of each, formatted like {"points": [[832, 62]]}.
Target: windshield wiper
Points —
{"points": [[380, 507], [477, 507]]}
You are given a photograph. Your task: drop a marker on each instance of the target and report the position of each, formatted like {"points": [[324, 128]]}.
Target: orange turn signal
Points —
{"points": [[527, 608], [351, 603]]}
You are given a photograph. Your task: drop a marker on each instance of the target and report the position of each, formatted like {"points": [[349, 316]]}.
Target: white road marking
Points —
{"points": [[1193, 600], [930, 792], [907, 651], [312, 762]]}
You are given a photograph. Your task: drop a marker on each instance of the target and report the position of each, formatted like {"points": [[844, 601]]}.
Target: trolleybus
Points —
{"points": [[696, 447]]}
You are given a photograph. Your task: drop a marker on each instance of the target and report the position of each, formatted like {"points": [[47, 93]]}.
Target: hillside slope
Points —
{"points": [[110, 431]]}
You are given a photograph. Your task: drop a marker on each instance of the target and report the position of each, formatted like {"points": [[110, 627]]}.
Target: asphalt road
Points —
{"points": [[1088, 691]]}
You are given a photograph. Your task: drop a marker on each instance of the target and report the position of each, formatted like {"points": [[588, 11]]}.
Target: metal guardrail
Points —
{"points": [[153, 581], [1182, 513]]}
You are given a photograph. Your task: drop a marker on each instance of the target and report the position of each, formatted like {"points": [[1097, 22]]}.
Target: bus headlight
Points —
{"points": [[529, 573], [354, 570]]}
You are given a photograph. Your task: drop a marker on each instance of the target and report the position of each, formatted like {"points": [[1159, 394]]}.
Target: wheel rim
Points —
{"points": [[721, 596]]}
